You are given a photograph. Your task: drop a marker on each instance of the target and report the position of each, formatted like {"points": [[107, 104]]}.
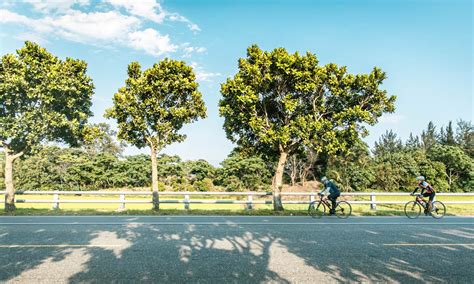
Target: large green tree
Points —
{"points": [[154, 105], [279, 101], [42, 98]]}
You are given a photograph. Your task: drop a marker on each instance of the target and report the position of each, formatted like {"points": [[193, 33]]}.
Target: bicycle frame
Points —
{"points": [[324, 201], [419, 200]]}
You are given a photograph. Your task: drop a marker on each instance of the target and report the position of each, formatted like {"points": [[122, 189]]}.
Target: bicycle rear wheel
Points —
{"points": [[412, 209], [343, 209], [438, 210], [316, 209]]}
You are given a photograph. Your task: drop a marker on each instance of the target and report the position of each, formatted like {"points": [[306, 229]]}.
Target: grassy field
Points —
{"points": [[209, 209]]}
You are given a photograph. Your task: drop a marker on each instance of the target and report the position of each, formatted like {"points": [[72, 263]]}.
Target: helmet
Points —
{"points": [[324, 179], [420, 178]]}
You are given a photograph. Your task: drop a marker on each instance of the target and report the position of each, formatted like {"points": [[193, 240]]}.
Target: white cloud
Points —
{"points": [[391, 118], [10, 17], [202, 75], [188, 50], [200, 49], [61, 19], [152, 10], [48, 6], [32, 37], [178, 18], [82, 27], [148, 9], [78, 26], [151, 42]]}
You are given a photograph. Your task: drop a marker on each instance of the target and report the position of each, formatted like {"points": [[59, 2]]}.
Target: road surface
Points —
{"points": [[207, 249]]}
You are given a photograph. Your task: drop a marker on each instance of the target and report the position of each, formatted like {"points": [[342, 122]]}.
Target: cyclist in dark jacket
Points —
{"points": [[333, 193], [426, 191]]}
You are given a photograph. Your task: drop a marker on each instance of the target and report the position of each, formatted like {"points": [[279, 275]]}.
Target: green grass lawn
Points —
{"points": [[210, 209]]}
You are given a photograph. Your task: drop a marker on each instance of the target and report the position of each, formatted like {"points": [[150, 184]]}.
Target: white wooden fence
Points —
{"points": [[186, 200]]}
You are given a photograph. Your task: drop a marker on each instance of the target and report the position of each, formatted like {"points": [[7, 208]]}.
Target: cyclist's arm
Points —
{"points": [[324, 191], [415, 190]]}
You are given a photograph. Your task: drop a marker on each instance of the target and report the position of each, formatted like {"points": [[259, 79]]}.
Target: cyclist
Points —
{"points": [[426, 191], [333, 191]]}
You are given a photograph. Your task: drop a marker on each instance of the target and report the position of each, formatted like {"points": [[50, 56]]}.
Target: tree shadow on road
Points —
{"points": [[239, 253]]}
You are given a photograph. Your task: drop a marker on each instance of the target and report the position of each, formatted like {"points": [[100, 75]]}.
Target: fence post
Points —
{"points": [[122, 205], [249, 202], [56, 201], [155, 200], [373, 206], [186, 201], [311, 199]]}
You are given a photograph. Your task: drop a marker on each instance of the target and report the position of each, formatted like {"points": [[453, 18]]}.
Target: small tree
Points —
{"points": [[465, 136], [42, 98], [428, 137], [102, 139], [154, 105], [278, 102]]}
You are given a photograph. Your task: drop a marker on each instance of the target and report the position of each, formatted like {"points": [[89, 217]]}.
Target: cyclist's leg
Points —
{"points": [[427, 205], [333, 198], [430, 201]]}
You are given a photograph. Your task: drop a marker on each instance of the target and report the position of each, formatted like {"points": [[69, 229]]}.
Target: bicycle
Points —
{"points": [[413, 208], [318, 208]]}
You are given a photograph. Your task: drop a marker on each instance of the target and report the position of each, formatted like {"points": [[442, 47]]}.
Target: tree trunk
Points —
{"points": [[278, 182], [10, 157], [10, 190], [154, 179]]}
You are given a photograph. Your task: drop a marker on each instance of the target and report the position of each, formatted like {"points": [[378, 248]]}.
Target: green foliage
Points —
{"points": [[446, 137], [352, 171], [39, 171], [428, 136], [388, 143], [100, 138], [156, 103], [413, 142], [465, 137], [205, 184], [133, 171], [447, 168], [200, 169], [239, 173], [42, 98], [278, 101], [459, 166]]}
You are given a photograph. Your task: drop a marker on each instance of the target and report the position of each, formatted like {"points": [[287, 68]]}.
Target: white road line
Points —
{"points": [[58, 246], [235, 223], [404, 245]]}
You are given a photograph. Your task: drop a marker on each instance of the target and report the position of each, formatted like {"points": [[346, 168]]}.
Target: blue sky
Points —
{"points": [[425, 47]]}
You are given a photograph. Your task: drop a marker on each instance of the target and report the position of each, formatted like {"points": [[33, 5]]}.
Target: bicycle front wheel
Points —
{"points": [[438, 210], [412, 209], [316, 209], [343, 209]]}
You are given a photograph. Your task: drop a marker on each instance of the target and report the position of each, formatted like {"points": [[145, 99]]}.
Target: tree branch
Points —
{"points": [[16, 156]]}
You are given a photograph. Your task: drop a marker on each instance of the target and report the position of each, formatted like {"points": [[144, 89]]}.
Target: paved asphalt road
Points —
{"points": [[236, 249]]}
